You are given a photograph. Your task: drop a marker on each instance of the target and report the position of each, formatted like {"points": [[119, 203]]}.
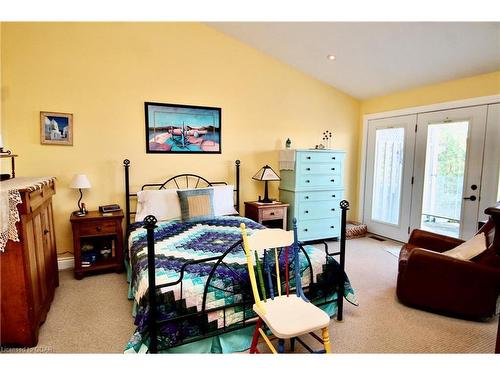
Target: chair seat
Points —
{"points": [[292, 316]]}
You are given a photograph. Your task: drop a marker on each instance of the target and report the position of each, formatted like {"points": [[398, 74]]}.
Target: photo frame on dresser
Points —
{"points": [[182, 129]]}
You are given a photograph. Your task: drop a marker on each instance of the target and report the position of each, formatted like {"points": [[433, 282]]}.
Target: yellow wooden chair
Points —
{"points": [[286, 315]]}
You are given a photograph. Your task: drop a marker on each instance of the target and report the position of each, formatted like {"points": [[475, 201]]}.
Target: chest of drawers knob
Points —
{"points": [[333, 195], [307, 181], [307, 197], [333, 209], [306, 211], [332, 180], [333, 157], [305, 229], [332, 226], [308, 169], [98, 229], [333, 169]]}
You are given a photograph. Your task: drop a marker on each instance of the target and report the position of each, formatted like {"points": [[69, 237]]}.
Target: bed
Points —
{"points": [[189, 280]]}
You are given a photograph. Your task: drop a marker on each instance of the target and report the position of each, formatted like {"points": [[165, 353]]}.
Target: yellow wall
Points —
{"points": [[104, 72], [470, 87]]}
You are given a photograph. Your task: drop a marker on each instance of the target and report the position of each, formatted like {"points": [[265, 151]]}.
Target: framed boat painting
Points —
{"points": [[182, 129]]}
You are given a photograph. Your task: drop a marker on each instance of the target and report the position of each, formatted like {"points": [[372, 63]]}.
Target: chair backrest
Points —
{"points": [[270, 244]]}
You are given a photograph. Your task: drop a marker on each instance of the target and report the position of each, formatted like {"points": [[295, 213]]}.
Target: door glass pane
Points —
{"points": [[388, 171], [444, 177]]}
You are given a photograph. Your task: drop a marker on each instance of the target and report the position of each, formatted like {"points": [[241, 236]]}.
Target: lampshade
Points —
{"points": [[80, 181], [266, 173]]}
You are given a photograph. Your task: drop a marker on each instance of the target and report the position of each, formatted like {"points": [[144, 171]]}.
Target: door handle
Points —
{"points": [[471, 198]]}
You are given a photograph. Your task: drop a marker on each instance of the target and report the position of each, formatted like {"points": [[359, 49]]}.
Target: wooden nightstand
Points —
{"points": [[272, 215], [97, 242]]}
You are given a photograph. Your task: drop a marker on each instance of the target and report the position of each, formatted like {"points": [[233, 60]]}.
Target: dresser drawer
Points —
{"points": [[273, 213], [313, 181], [318, 229], [318, 210], [325, 168], [317, 157], [97, 228], [313, 196]]}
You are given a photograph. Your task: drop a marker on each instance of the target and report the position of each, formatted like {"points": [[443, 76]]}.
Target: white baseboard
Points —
{"points": [[66, 263]]}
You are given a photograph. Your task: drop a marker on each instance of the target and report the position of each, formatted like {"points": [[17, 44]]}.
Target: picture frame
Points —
{"points": [[56, 128], [182, 129]]}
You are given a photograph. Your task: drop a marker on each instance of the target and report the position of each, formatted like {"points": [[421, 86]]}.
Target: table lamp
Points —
{"points": [[80, 181], [266, 174]]}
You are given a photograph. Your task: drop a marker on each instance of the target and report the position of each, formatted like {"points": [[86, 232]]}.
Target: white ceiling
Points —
{"points": [[376, 58]]}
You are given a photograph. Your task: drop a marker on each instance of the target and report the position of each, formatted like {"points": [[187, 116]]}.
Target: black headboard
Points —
{"points": [[181, 181]]}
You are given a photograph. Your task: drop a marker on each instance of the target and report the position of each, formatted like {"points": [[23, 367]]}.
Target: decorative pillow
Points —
{"points": [[197, 204], [163, 204], [224, 200], [469, 249]]}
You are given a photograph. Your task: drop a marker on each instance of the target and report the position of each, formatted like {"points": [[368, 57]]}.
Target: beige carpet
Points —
{"points": [[93, 315]]}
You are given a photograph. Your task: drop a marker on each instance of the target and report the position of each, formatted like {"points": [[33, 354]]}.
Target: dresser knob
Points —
{"points": [[333, 209], [307, 197], [332, 180], [331, 226], [271, 213], [46, 231], [306, 212], [333, 169], [307, 181], [333, 195], [98, 229], [308, 169], [305, 229], [333, 157], [308, 158]]}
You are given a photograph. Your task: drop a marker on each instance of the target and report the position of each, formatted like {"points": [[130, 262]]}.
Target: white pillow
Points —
{"points": [[469, 249], [163, 204], [224, 200]]}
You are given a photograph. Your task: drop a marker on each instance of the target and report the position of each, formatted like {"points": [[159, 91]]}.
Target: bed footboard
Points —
{"points": [[154, 322]]}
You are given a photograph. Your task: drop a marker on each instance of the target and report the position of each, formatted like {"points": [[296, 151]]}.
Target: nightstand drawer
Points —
{"points": [[97, 228], [273, 213]]}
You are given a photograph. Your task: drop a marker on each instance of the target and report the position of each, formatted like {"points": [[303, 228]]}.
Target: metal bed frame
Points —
{"points": [[201, 317]]}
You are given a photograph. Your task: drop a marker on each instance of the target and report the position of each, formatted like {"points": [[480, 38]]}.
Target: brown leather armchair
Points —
{"points": [[435, 282]]}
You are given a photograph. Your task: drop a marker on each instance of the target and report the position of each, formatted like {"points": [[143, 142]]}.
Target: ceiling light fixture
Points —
{"points": [[331, 57]]}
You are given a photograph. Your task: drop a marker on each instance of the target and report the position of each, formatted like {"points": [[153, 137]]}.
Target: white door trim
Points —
{"points": [[482, 100]]}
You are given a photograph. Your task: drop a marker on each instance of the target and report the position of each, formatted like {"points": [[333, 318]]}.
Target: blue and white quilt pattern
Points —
{"points": [[176, 243]]}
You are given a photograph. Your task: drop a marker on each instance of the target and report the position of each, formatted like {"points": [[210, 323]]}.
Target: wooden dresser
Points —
{"points": [[313, 185], [28, 268]]}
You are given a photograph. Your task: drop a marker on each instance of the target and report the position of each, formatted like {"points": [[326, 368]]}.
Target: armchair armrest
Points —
{"points": [[441, 283], [432, 241]]}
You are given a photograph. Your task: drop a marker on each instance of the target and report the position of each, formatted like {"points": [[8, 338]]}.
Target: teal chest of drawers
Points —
{"points": [[312, 183]]}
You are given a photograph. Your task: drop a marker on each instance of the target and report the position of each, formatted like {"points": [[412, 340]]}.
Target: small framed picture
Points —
{"points": [[56, 128]]}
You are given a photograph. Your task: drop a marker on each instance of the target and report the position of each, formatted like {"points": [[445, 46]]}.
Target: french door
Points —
{"points": [[426, 171], [448, 166], [390, 151]]}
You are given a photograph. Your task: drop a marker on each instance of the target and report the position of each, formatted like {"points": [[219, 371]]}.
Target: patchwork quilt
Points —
{"points": [[177, 242]]}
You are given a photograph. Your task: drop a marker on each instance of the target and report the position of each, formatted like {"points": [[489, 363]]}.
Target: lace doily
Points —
{"points": [[9, 199], [10, 216]]}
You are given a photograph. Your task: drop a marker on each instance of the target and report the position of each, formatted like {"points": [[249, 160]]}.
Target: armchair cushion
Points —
{"points": [[469, 249]]}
